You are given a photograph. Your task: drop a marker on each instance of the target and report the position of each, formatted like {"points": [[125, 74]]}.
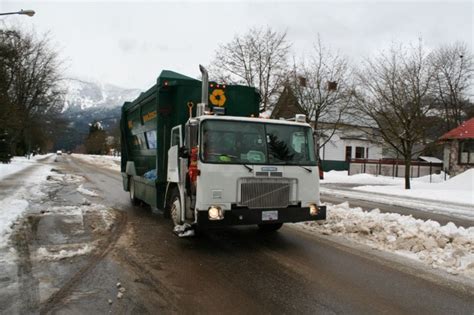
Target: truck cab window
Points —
{"points": [[175, 137], [256, 143]]}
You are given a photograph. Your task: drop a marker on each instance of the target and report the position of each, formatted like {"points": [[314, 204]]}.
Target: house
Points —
{"points": [[459, 148], [339, 141], [349, 141]]}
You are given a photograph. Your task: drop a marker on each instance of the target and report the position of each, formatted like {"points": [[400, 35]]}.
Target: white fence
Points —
{"points": [[393, 168]]}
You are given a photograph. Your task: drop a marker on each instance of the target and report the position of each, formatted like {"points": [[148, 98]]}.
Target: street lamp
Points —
{"points": [[22, 12]]}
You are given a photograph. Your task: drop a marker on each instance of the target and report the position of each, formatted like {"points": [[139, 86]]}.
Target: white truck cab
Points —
{"points": [[242, 170]]}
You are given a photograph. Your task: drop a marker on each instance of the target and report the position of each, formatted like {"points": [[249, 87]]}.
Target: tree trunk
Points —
{"points": [[407, 172]]}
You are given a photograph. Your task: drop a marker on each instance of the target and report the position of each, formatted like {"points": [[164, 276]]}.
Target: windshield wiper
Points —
{"points": [[308, 169], [248, 167]]}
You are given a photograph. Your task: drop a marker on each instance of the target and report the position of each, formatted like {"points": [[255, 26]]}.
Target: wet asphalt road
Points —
{"points": [[240, 270], [230, 271]]}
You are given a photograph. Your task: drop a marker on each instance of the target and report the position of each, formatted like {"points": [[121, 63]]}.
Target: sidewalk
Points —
{"points": [[453, 197], [462, 211]]}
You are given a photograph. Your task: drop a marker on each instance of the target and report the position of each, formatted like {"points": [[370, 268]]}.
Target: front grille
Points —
{"points": [[276, 174], [265, 193]]}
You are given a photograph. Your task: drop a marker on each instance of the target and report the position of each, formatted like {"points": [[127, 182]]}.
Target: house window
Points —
{"points": [[348, 153], [466, 151], [360, 152]]}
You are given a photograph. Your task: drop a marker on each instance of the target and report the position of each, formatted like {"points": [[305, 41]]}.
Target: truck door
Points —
{"points": [[175, 143]]}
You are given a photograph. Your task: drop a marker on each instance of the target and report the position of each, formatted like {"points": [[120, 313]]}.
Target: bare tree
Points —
{"points": [[394, 92], [29, 83], [322, 86], [258, 58], [454, 70]]}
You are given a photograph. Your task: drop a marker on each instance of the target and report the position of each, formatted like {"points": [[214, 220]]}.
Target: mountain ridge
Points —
{"points": [[86, 102], [84, 94]]}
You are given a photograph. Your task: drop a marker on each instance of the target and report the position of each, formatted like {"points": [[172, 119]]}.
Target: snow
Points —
{"points": [[107, 161], [458, 190], [87, 93], [430, 159], [63, 251], [10, 210], [86, 192], [447, 247], [368, 179], [14, 204], [18, 164]]}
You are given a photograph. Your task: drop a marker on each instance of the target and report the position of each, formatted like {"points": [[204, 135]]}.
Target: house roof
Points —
{"points": [[463, 131], [287, 105]]}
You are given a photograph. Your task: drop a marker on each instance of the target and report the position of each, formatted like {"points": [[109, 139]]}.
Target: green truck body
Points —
{"points": [[146, 126]]}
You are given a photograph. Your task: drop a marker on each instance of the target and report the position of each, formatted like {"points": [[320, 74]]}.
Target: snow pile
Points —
{"points": [[59, 252], [459, 189], [66, 178], [463, 181], [107, 161], [86, 192], [447, 247]]}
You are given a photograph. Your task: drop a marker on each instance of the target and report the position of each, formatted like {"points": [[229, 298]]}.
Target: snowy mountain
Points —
{"points": [[82, 95], [88, 102]]}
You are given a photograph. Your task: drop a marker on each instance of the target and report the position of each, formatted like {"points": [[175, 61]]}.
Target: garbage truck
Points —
{"points": [[199, 151]]}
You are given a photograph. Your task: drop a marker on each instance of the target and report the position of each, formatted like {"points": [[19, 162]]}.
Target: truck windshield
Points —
{"points": [[237, 142]]}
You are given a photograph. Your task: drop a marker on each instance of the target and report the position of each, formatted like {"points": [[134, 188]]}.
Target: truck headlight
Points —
{"points": [[313, 209], [215, 213]]}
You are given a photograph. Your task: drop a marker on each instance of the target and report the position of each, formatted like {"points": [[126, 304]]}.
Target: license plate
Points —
{"points": [[270, 215]]}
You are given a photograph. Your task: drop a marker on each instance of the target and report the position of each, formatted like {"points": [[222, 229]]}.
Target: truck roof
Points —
{"points": [[253, 119]]}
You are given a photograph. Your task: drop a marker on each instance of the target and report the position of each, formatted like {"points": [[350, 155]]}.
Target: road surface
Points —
{"points": [[235, 270]]}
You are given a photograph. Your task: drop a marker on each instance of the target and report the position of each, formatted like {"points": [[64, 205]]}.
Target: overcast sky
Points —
{"points": [[128, 43]]}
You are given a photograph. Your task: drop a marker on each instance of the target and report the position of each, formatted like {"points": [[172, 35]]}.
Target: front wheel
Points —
{"points": [[270, 227], [175, 208]]}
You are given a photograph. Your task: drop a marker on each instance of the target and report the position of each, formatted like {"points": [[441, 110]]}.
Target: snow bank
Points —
{"points": [[343, 177], [463, 181], [447, 247], [18, 164], [107, 161], [369, 179], [10, 210], [459, 189], [13, 205]]}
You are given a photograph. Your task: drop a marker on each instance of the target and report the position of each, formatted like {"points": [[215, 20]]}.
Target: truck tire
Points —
{"points": [[131, 185], [270, 227], [175, 208]]}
